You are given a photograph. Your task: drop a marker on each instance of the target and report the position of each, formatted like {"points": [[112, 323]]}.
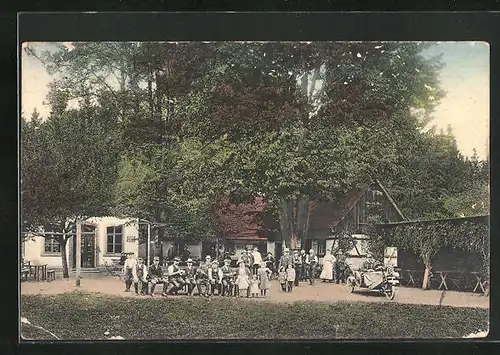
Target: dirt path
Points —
{"points": [[317, 292]]}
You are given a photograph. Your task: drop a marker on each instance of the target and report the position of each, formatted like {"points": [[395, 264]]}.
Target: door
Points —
{"points": [[88, 251]]}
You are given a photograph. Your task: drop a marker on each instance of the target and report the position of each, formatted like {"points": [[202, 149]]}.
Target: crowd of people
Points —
{"points": [[209, 278], [252, 278]]}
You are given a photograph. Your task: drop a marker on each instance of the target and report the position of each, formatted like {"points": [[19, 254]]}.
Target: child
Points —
{"points": [[254, 286], [243, 279], [264, 274], [282, 279], [290, 277]]}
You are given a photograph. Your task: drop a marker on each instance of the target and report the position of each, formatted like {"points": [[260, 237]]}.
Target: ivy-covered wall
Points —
{"points": [[428, 239]]}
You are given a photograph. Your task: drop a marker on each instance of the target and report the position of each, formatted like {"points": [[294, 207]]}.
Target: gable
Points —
{"points": [[355, 211]]}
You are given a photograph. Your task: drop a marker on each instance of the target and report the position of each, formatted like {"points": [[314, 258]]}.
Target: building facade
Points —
{"points": [[103, 239]]}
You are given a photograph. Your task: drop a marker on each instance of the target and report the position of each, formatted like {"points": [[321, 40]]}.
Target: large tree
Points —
{"points": [[304, 120], [68, 170]]}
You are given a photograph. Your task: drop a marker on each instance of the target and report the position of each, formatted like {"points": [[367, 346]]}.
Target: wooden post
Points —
{"points": [[149, 244], [78, 250]]}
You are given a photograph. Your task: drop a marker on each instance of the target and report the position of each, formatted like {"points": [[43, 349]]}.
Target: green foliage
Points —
{"points": [[68, 166], [198, 122], [427, 238], [240, 319]]}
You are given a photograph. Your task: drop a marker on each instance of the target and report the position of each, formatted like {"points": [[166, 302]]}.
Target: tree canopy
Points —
{"points": [[168, 131]]}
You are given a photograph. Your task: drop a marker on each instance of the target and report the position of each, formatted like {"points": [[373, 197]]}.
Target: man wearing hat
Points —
{"points": [[297, 260], [227, 278], [311, 264], [190, 276], [174, 276], [202, 276], [155, 274], [141, 277], [303, 265], [256, 260], [245, 258], [285, 259], [270, 263], [129, 271], [215, 278]]}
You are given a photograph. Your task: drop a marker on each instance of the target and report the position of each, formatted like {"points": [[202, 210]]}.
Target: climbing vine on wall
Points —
{"points": [[427, 238]]}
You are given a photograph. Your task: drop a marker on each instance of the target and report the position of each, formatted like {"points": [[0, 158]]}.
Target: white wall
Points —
{"points": [[34, 248], [34, 252], [130, 237]]}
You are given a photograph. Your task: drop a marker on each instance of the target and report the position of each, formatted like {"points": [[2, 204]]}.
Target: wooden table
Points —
{"points": [[411, 279], [38, 271], [444, 276], [480, 281]]}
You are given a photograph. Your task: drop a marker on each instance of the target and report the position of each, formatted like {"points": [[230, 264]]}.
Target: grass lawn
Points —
{"points": [[77, 315]]}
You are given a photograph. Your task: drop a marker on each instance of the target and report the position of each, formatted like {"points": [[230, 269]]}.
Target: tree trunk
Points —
{"points": [[425, 282], [64, 260], [303, 219], [288, 225]]}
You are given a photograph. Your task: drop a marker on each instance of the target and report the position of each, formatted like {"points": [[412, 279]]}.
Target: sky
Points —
{"points": [[464, 78]]}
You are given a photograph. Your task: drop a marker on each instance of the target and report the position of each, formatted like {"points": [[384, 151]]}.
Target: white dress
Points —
{"points": [[243, 279], [327, 272], [254, 286]]}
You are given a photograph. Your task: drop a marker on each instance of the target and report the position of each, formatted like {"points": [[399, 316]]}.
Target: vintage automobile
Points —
{"points": [[383, 279]]}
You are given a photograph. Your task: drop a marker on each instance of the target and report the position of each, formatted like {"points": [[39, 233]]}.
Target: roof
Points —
{"points": [[430, 221]]}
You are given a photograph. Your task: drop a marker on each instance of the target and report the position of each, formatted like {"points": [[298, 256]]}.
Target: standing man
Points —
{"points": [[312, 263], [155, 275], [257, 260], [270, 263], [202, 277], [297, 260], [174, 276], [141, 278], [185, 253], [250, 259], [129, 271], [227, 278], [245, 258], [285, 259], [303, 265]]}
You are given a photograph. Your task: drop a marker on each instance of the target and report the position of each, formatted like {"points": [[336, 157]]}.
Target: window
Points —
{"points": [[52, 245], [321, 247], [115, 240]]}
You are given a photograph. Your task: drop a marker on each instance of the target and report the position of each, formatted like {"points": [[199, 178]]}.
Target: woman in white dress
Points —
{"points": [[328, 262]]}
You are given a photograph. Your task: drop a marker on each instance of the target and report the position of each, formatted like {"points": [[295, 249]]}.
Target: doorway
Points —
{"points": [[88, 249]]}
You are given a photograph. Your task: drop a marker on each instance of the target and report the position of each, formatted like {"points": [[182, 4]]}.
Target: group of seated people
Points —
{"points": [[207, 279]]}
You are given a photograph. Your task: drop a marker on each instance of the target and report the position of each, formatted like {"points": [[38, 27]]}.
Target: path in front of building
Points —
{"points": [[326, 292]]}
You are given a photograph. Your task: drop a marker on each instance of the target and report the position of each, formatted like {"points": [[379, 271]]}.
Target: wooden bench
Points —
{"points": [[51, 275], [25, 270]]}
